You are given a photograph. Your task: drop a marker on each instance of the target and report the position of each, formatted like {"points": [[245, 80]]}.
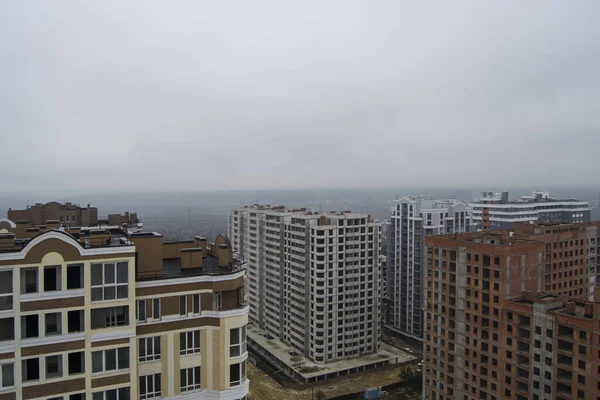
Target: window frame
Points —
{"points": [[149, 343], [242, 371], [184, 373], [184, 338], [58, 324], [59, 364], [12, 365], [242, 345], [145, 382], [141, 305], [8, 295], [118, 393], [218, 301], [117, 360], [156, 309], [103, 286]]}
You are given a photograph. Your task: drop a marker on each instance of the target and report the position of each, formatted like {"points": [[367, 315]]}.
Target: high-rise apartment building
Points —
{"points": [[313, 279], [104, 314], [491, 310], [497, 211], [412, 219]]}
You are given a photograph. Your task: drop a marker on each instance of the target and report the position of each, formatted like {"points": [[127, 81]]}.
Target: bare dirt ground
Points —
{"points": [[263, 387]]}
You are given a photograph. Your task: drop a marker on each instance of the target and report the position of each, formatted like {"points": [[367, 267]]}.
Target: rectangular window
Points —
{"points": [[74, 276], [190, 379], [30, 369], [113, 394], [237, 373], [110, 360], [30, 326], [237, 339], [149, 386], [7, 329], [141, 310], [75, 321], [7, 376], [110, 316], [196, 303], [76, 363], [218, 301], [156, 309], [6, 290], [77, 396], [109, 281], [189, 342], [52, 278], [182, 305], [54, 366], [29, 280], [149, 348], [53, 324]]}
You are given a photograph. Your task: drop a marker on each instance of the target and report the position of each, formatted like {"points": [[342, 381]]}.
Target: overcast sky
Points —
{"points": [[154, 96]]}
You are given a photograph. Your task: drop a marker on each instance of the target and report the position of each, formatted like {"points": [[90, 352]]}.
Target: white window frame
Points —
{"points": [[118, 393], [141, 305], [59, 363], [243, 372], [188, 386], [150, 386], [110, 285], [113, 317], [218, 301], [189, 339], [58, 324], [194, 310], [156, 309], [150, 348], [2, 384], [242, 345], [116, 350], [10, 294], [183, 313]]}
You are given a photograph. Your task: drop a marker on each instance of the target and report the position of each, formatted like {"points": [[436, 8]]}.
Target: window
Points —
{"points": [[74, 276], [53, 324], [237, 373], [182, 305], [76, 362], [149, 386], [190, 379], [110, 360], [114, 394], [109, 281], [110, 316], [30, 369], [7, 329], [149, 348], [7, 377], [237, 339], [196, 303], [52, 278], [30, 326], [141, 310], [218, 301], [53, 366], [189, 342], [156, 309], [29, 280], [75, 321], [6, 290], [77, 396]]}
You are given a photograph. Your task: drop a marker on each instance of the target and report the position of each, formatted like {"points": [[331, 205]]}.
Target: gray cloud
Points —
{"points": [[193, 95]]}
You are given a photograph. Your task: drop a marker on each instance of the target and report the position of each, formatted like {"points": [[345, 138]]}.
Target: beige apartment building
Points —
{"points": [[104, 314]]}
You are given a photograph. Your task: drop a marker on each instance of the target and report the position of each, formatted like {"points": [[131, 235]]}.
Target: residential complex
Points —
{"points": [[512, 314], [497, 211], [313, 279], [106, 314], [69, 215], [412, 219]]}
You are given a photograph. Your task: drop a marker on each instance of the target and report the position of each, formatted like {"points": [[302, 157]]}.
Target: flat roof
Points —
{"points": [[308, 369]]}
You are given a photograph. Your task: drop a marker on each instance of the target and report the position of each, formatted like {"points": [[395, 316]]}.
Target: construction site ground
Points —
{"points": [[263, 387]]}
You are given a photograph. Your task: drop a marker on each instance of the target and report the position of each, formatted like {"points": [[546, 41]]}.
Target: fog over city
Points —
{"points": [[159, 96]]}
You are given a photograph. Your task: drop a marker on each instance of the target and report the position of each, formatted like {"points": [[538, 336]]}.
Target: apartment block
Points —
{"points": [[313, 279], [105, 314], [479, 341], [495, 210], [412, 219]]}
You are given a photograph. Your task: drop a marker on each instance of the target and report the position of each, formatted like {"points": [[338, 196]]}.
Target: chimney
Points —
{"points": [[149, 249], [202, 243], [191, 258]]}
